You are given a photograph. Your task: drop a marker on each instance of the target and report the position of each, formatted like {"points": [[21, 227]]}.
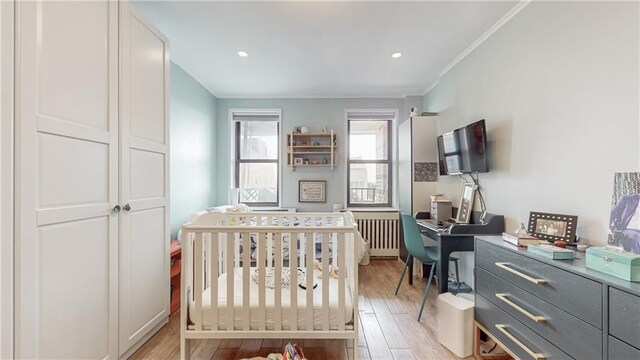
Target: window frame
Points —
{"points": [[390, 160], [237, 160]]}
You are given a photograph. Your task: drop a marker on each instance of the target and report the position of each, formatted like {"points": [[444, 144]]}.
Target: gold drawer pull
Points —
{"points": [[504, 266], [503, 329], [535, 318]]}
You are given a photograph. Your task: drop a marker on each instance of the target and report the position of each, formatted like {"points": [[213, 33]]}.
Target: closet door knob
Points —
{"points": [[126, 207], [116, 209]]}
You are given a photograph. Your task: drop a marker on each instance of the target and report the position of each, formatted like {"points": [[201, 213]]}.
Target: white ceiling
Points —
{"points": [[320, 49]]}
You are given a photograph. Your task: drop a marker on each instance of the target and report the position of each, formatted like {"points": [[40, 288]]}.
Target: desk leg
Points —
{"points": [[443, 269]]}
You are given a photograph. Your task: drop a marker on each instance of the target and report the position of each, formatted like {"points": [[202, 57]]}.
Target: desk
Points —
{"points": [[447, 244], [460, 237]]}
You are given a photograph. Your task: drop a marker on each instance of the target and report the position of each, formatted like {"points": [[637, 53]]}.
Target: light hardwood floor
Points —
{"points": [[389, 329]]}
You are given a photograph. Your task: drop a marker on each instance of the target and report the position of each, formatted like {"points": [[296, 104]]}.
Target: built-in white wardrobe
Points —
{"points": [[90, 189]]}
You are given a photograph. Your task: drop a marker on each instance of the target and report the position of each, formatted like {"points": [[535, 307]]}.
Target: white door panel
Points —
{"points": [[147, 82], [144, 233], [147, 174], [72, 171], [74, 305], [145, 288], [74, 54], [66, 180]]}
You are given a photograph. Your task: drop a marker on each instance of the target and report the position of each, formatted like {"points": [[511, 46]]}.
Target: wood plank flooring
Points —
{"points": [[389, 329]]}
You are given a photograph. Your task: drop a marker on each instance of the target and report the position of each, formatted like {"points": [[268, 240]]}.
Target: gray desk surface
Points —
{"points": [[577, 265]]}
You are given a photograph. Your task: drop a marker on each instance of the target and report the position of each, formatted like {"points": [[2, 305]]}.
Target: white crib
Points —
{"points": [[217, 270]]}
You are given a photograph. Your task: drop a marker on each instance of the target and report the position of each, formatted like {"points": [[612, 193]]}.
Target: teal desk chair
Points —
{"points": [[426, 254]]}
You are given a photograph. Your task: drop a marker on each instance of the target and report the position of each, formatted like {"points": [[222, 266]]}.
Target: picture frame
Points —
{"points": [[553, 227], [465, 207], [624, 233], [298, 161], [312, 191]]}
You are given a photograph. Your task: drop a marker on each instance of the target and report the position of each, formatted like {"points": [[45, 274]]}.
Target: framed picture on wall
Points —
{"points": [[466, 203], [312, 191]]}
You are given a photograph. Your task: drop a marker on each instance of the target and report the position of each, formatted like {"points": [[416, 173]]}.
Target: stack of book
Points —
{"points": [[521, 239]]}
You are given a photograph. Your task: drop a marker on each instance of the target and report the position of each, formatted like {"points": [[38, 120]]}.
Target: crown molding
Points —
{"points": [[487, 34]]}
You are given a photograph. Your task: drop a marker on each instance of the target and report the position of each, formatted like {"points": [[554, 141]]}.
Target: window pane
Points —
{"points": [[369, 183], [258, 182], [258, 140], [368, 140]]}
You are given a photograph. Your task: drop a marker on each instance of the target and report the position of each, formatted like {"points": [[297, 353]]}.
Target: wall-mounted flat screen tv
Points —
{"points": [[463, 150]]}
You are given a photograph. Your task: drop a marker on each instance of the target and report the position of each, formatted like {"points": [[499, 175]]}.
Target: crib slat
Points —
{"points": [[197, 314], [213, 275], [325, 281], [262, 279], [236, 249], [293, 289], [341, 281], [270, 248], [231, 245], [309, 290], [303, 250], [246, 281], [277, 290]]}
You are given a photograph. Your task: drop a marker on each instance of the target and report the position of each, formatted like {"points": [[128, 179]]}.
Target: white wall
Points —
{"points": [[559, 88]]}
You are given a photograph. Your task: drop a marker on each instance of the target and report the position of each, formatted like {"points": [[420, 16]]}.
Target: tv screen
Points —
{"points": [[463, 150]]}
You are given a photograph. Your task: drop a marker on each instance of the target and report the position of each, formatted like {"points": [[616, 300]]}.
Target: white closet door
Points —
{"points": [[144, 144], [66, 186]]}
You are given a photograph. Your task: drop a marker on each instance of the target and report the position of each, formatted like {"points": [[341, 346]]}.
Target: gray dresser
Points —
{"points": [[554, 309]]}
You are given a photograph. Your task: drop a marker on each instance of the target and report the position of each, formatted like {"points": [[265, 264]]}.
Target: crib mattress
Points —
{"points": [[269, 302]]}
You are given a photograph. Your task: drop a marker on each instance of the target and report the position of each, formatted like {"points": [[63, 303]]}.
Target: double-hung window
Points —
{"points": [[369, 162], [257, 156]]}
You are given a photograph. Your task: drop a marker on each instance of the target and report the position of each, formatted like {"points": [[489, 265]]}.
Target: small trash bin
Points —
{"points": [[366, 257], [455, 324]]}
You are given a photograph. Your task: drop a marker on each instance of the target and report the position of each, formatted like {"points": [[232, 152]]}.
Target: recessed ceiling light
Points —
{"points": [[243, 53], [396, 55]]}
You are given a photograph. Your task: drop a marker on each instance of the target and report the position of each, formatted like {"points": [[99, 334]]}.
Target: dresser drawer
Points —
{"points": [[555, 325], [624, 316], [621, 351], [520, 340], [572, 293]]}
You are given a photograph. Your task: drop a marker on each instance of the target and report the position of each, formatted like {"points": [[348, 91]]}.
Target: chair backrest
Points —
{"points": [[413, 240]]}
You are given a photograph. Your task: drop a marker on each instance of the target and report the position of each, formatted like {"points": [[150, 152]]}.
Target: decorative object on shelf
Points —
{"points": [[316, 143], [624, 223], [466, 203], [325, 160], [560, 244], [553, 227], [314, 162], [306, 162], [552, 252], [304, 130], [425, 171], [297, 130], [616, 262], [323, 129], [298, 161], [304, 142], [521, 230], [312, 191], [582, 247]]}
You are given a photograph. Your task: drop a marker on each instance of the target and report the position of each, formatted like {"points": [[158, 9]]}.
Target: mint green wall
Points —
{"points": [[313, 113], [193, 145]]}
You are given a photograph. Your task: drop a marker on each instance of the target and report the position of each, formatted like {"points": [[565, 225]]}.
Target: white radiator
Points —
{"points": [[381, 230]]}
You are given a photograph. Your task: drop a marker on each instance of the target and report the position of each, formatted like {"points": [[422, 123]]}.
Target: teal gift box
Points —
{"points": [[618, 263]]}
